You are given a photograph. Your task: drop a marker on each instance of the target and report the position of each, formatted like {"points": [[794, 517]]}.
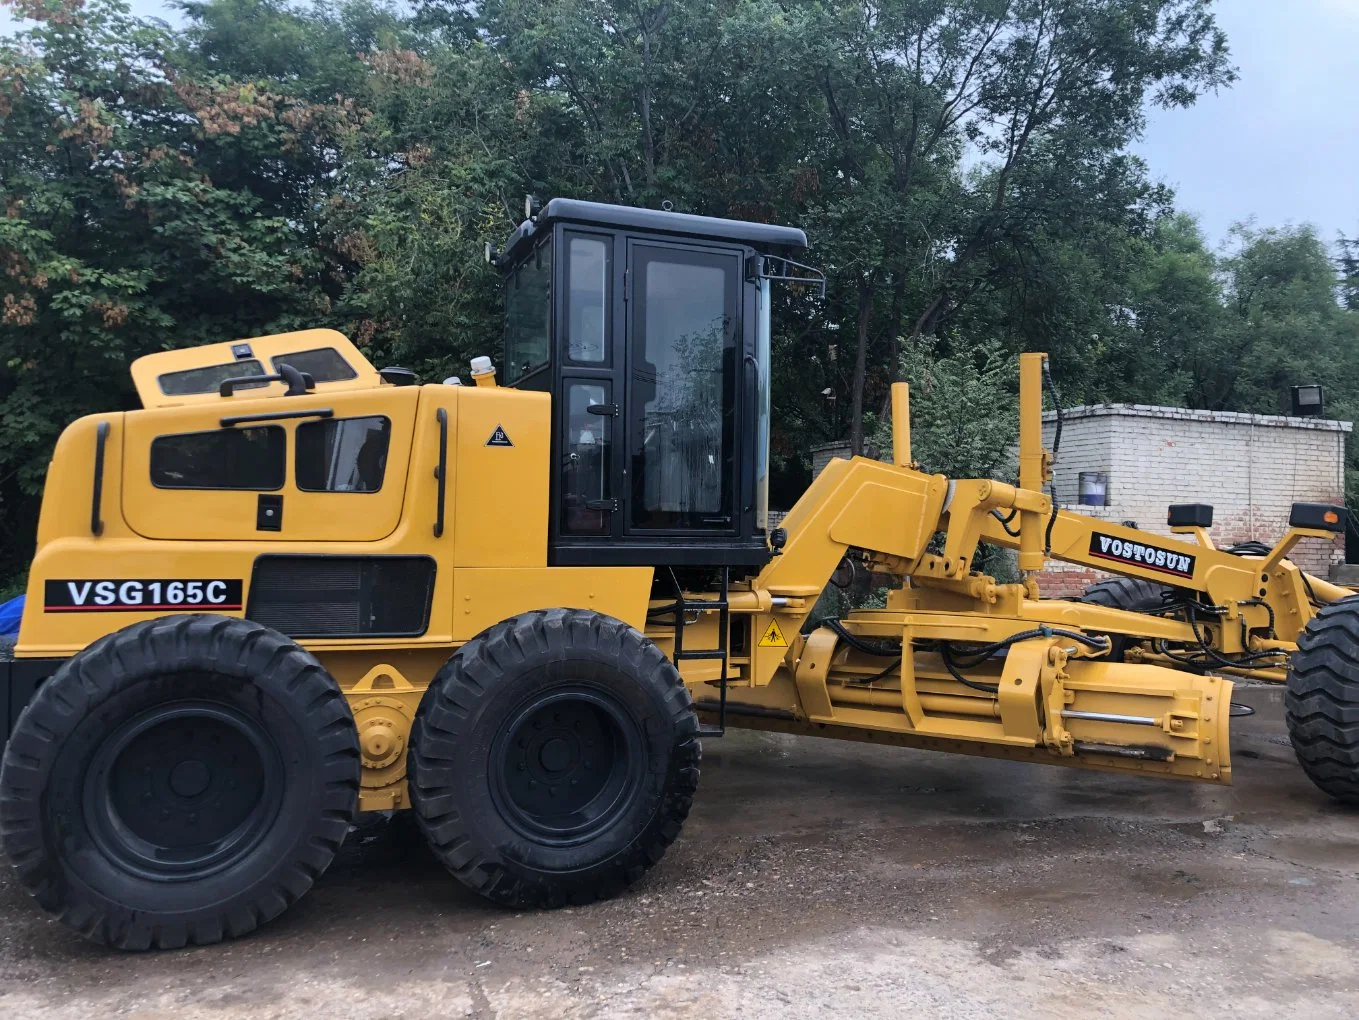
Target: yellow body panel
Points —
{"points": [[483, 596], [499, 496], [210, 514]]}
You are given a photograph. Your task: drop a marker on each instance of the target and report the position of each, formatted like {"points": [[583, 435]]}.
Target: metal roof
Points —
{"points": [[656, 221]]}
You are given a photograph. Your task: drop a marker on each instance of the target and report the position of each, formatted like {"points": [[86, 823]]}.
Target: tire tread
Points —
{"points": [[1321, 703], [450, 702]]}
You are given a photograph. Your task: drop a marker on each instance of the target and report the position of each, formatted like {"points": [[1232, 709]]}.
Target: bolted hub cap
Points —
{"points": [[556, 755], [183, 790], [190, 778], [563, 766]]}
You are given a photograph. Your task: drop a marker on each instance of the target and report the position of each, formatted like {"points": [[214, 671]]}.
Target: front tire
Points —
{"points": [[554, 759], [182, 780], [1321, 703]]}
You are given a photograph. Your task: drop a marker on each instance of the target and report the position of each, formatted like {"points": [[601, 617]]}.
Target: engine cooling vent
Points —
{"points": [[342, 596]]}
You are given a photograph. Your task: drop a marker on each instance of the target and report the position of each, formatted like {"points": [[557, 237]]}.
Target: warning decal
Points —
{"points": [[773, 637], [498, 437]]}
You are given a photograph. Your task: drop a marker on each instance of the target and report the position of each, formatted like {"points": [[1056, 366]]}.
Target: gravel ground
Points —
{"points": [[815, 878]]}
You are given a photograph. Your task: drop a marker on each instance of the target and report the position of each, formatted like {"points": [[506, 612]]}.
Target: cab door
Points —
{"points": [[328, 467], [684, 358]]}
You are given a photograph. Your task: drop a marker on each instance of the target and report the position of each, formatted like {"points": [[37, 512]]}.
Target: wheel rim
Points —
{"points": [[183, 791], [564, 766]]}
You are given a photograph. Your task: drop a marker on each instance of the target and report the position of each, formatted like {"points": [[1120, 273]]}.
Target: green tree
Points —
{"points": [[145, 207], [964, 415]]}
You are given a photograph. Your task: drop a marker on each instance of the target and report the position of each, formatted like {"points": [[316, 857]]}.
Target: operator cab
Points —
{"points": [[651, 330]]}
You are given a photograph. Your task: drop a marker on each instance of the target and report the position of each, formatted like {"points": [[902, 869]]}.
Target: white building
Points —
{"points": [[1251, 468]]}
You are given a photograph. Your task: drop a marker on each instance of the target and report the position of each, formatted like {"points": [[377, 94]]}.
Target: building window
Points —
{"points": [[246, 458]]}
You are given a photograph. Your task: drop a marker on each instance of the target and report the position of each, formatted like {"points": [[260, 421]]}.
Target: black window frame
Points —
{"points": [[297, 458], [277, 430], [611, 426]]}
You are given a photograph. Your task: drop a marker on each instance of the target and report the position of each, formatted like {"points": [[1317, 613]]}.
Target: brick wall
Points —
{"points": [[824, 453], [1250, 468]]}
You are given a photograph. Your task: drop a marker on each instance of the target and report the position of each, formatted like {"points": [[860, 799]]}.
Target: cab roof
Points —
{"points": [[652, 221], [193, 375]]}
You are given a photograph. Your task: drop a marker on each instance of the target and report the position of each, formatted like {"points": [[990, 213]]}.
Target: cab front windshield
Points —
{"points": [[528, 312]]}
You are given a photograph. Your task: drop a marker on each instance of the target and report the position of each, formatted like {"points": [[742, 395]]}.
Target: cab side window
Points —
{"points": [[243, 458], [528, 315], [343, 454]]}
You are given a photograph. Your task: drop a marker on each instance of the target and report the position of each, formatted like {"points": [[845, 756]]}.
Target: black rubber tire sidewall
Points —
{"points": [[1321, 701], [242, 666], [1131, 593], [463, 713]]}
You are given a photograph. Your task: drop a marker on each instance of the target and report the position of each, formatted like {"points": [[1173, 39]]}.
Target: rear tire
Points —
{"points": [[182, 780], [554, 759], [1130, 593], [1322, 701]]}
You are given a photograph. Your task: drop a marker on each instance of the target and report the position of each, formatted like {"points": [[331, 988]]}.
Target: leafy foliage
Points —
{"points": [[963, 410]]}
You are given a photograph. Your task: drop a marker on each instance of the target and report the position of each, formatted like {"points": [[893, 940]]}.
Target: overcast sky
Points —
{"points": [[1281, 146], [1283, 143]]}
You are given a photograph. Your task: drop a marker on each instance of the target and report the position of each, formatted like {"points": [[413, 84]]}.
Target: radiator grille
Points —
{"points": [[342, 596]]}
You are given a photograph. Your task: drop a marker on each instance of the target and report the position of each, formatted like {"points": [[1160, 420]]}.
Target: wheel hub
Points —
{"points": [[183, 790], [556, 755], [562, 765], [190, 778], [382, 724]]}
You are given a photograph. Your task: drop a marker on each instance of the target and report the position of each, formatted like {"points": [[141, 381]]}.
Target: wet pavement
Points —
{"points": [[816, 878]]}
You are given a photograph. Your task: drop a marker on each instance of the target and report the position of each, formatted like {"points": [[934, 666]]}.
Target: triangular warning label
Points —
{"points": [[498, 437], [773, 637]]}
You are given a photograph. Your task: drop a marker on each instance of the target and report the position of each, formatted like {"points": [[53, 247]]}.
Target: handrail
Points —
{"points": [[441, 471], [299, 383], [245, 419], [101, 437]]}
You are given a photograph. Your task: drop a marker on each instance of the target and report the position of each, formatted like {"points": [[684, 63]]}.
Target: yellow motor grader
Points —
{"points": [[292, 587]]}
